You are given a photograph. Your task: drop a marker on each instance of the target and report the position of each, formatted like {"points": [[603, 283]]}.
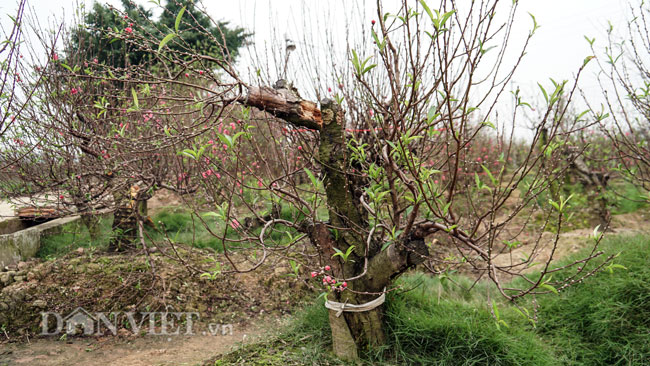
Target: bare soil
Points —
{"points": [[574, 241], [253, 303], [133, 351]]}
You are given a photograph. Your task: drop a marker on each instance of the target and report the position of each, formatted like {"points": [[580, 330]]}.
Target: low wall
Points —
{"points": [[24, 244], [11, 225]]}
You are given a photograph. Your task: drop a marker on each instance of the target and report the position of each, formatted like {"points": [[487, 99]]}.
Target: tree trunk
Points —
{"points": [[348, 220], [364, 330], [125, 226], [125, 222], [353, 332]]}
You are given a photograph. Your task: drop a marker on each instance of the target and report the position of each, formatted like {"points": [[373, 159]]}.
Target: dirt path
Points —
{"points": [[140, 351], [574, 241]]}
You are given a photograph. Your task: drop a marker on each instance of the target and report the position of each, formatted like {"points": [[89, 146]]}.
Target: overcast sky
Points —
{"points": [[557, 50]]}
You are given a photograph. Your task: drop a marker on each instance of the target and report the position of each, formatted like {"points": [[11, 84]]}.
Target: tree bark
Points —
{"points": [[283, 101]]}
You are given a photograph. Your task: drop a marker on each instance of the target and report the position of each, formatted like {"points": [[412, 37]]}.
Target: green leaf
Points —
{"points": [[544, 92], [596, 235], [426, 8], [178, 18], [314, 180], [166, 40], [368, 68], [211, 214], [135, 98], [386, 244], [489, 173], [579, 116], [355, 62], [479, 184], [380, 44], [345, 255], [446, 17], [445, 210], [189, 153], [611, 267], [226, 139], [237, 135], [432, 114], [535, 25], [549, 287], [489, 124]]}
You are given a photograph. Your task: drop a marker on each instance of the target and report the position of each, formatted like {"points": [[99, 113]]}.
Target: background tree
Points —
{"points": [[624, 78], [105, 145], [96, 39], [18, 86]]}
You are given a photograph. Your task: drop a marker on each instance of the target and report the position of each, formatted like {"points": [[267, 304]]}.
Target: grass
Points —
{"points": [[603, 321], [183, 226], [606, 320], [628, 198], [72, 236], [179, 224], [582, 209]]}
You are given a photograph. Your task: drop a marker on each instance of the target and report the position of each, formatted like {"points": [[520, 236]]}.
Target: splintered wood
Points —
{"points": [[286, 104]]}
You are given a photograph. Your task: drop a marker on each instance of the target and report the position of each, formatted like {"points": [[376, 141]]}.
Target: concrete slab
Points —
{"points": [[24, 244]]}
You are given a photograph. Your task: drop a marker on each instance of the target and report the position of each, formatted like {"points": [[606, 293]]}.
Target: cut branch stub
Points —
{"points": [[393, 261], [286, 104]]}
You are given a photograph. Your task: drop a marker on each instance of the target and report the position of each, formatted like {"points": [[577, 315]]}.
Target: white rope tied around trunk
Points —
{"points": [[340, 307]]}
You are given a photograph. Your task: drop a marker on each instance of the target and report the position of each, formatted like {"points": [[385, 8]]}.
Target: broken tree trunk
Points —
{"points": [[284, 102], [348, 222]]}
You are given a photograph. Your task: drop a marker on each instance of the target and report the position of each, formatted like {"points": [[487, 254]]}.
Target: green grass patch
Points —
{"points": [[606, 319], [628, 198], [178, 224], [457, 329], [582, 209], [183, 226], [72, 236]]}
